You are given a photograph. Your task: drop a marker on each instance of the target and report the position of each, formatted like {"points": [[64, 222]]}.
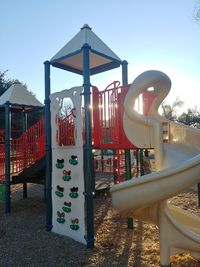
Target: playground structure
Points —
{"points": [[85, 55], [27, 152], [96, 122], [28, 148]]}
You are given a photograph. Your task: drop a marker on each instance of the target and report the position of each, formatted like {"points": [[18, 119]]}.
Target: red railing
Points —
{"points": [[114, 165], [66, 130], [25, 150], [2, 161], [103, 165], [107, 113], [119, 166], [107, 120]]}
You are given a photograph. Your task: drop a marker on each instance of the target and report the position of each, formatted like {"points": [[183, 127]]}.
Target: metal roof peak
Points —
{"points": [[70, 57], [86, 26]]}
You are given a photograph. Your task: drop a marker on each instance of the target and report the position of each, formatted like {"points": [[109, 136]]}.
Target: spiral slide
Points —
{"points": [[177, 160]]}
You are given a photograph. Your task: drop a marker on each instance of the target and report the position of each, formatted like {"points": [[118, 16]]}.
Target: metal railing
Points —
{"points": [[25, 150]]}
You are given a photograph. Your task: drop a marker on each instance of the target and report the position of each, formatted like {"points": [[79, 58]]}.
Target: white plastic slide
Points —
{"points": [[177, 160]]}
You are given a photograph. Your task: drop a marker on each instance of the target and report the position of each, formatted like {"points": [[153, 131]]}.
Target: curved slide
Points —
{"points": [[177, 160]]}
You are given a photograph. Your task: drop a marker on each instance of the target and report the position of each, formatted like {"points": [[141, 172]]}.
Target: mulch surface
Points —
{"points": [[25, 242]]}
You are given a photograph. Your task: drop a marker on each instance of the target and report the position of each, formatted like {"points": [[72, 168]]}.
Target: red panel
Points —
{"points": [[96, 129]]}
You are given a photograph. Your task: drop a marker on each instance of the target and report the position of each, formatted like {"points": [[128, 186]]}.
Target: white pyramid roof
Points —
{"points": [[19, 95], [70, 56]]}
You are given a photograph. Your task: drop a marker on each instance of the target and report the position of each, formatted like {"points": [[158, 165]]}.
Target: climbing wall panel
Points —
{"points": [[68, 199]]}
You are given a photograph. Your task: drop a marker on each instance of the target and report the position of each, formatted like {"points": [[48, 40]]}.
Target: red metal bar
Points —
{"points": [[120, 167]]}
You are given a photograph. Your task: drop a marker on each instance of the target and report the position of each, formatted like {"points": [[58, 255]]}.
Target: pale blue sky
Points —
{"points": [[156, 34]]}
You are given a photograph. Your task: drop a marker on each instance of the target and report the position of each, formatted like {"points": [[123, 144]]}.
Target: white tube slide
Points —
{"points": [[177, 168]]}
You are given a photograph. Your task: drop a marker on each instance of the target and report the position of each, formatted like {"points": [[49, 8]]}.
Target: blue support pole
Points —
{"points": [[124, 72], [141, 162], [88, 149], [48, 159], [127, 151], [7, 157]]}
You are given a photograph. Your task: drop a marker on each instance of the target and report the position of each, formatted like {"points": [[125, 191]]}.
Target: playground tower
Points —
{"points": [[85, 54]]}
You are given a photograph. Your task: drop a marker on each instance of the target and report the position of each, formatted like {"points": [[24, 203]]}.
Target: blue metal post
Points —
{"points": [[7, 157], [127, 151], [48, 182], [141, 162], [124, 72], [88, 148]]}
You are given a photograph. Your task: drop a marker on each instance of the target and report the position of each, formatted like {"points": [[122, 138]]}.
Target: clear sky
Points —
{"points": [[149, 34]]}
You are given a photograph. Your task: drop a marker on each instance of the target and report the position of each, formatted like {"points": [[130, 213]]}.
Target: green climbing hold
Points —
{"points": [[59, 194], [73, 194], [74, 227], [66, 209], [66, 178], [73, 160], [59, 165], [60, 220]]}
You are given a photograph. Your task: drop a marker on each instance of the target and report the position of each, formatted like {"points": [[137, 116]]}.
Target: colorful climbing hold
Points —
{"points": [[73, 160], [67, 204], [60, 163], [74, 192], [67, 207], [74, 225], [66, 175], [59, 194], [61, 216], [60, 191]]}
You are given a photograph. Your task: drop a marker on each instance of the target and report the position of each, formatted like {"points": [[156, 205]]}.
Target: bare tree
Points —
{"points": [[196, 14], [67, 106], [170, 111]]}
